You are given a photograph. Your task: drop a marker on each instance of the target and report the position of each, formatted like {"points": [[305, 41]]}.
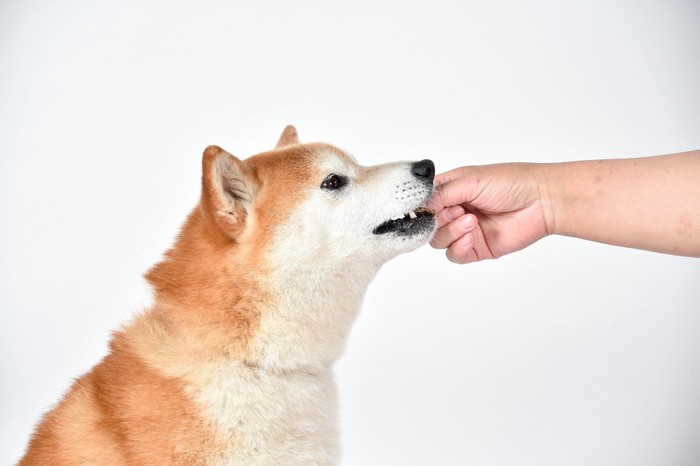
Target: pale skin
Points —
{"points": [[651, 203]]}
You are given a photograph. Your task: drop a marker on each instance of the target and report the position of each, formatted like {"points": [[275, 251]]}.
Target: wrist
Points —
{"points": [[550, 197]]}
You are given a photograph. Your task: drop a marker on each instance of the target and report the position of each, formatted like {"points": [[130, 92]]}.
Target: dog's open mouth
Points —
{"points": [[416, 221]]}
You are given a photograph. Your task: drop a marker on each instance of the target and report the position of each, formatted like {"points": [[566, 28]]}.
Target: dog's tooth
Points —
{"points": [[412, 214]]}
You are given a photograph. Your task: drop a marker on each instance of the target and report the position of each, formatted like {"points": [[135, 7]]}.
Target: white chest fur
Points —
{"points": [[263, 418]]}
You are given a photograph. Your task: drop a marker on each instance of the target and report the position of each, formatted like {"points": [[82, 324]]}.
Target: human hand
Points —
{"points": [[485, 212]]}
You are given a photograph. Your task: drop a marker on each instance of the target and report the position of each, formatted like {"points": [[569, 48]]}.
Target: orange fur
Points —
{"points": [[121, 413], [289, 137]]}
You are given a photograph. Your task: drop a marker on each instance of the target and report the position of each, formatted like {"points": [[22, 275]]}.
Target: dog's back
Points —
{"points": [[122, 412]]}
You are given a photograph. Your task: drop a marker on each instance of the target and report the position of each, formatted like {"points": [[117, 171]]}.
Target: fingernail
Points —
{"points": [[468, 221]]}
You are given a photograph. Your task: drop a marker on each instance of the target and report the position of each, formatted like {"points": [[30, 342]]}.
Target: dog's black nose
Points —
{"points": [[425, 170]]}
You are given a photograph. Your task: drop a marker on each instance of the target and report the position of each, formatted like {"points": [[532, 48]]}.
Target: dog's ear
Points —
{"points": [[228, 190], [289, 137]]}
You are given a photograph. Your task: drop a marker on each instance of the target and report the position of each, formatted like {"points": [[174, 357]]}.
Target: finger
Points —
{"points": [[449, 175], [454, 192], [462, 250], [445, 216], [480, 246], [453, 231], [471, 247]]}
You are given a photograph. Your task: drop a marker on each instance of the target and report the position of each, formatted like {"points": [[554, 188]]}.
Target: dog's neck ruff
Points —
{"points": [[307, 325]]}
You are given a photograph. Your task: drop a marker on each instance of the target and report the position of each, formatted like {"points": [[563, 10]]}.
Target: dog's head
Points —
{"points": [[316, 205], [273, 263]]}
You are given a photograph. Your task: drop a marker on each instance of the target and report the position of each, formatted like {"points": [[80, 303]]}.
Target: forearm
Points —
{"points": [[647, 203]]}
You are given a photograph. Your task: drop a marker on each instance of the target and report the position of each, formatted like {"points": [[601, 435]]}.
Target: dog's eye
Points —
{"points": [[333, 182]]}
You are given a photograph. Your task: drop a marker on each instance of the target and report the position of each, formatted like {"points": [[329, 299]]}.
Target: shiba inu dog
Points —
{"points": [[232, 364]]}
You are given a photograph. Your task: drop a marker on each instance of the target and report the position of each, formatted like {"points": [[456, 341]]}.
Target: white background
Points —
{"points": [[567, 353]]}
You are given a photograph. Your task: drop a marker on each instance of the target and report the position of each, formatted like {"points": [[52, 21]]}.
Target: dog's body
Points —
{"points": [[232, 364]]}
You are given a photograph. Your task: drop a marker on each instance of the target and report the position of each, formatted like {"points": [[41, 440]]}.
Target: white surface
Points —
{"points": [[566, 353]]}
